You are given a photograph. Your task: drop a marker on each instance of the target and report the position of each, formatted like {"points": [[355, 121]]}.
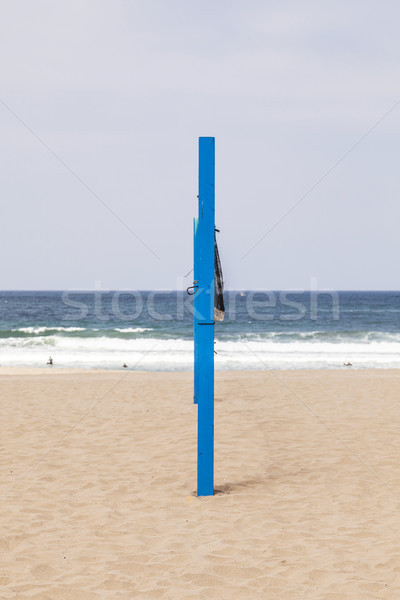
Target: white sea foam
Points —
{"points": [[249, 352], [44, 329], [133, 329]]}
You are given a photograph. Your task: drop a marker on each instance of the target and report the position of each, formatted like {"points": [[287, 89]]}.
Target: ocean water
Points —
{"points": [[154, 330]]}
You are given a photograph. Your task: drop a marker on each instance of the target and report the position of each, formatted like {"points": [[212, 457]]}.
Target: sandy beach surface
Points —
{"points": [[98, 479]]}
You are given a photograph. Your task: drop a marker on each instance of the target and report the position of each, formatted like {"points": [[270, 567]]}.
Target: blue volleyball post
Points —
{"points": [[204, 227]]}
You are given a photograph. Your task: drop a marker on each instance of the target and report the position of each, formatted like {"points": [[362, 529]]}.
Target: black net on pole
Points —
{"points": [[219, 306]]}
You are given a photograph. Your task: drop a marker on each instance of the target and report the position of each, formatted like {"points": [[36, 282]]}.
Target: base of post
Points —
{"points": [[205, 494]]}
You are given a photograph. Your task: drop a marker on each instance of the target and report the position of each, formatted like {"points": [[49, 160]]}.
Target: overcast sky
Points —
{"points": [[120, 91]]}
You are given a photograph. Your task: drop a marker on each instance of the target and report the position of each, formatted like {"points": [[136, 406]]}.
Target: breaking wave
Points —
{"points": [[111, 348]]}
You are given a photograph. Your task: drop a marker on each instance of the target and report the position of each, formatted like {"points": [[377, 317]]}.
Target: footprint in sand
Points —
{"points": [[43, 572]]}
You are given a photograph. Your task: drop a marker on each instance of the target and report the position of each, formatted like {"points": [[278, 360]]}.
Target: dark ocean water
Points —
{"points": [[154, 330]]}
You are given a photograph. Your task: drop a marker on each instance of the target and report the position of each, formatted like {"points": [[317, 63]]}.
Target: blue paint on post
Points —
{"points": [[196, 261], [204, 317]]}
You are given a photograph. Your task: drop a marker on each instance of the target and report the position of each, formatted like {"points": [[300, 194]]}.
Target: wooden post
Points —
{"points": [[204, 317]]}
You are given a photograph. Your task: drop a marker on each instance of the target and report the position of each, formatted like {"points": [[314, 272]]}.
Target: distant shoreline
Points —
{"points": [[43, 371]]}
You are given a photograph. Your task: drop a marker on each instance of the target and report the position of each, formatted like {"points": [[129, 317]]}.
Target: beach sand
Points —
{"points": [[98, 478]]}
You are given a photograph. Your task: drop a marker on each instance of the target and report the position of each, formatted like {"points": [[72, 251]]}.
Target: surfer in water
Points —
{"points": [[50, 361]]}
